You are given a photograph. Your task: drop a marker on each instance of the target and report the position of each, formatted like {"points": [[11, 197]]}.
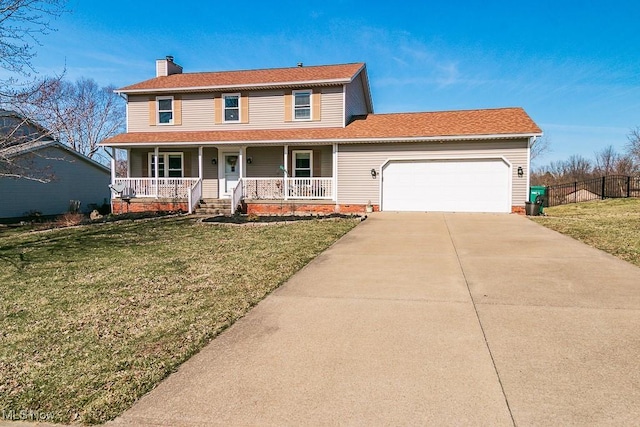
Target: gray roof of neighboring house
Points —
{"points": [[41, 140]]}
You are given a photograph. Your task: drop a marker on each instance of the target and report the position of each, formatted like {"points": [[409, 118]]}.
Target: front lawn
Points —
{"points": [[611, 225], [92, 318]]}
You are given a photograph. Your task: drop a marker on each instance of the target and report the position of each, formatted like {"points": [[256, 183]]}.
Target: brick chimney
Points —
{"points": [[166, 67]]}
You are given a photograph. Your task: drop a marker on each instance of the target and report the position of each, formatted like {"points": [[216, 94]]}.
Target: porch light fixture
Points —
{"points": [[520, 172], [249, 160], [373, 173], [214, 161]]}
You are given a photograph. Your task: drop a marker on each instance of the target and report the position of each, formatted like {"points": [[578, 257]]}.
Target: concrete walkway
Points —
{"points": [[426, 319]]}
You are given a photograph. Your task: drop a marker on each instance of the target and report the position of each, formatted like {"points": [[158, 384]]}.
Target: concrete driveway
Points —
{"points": [[426, 319]]}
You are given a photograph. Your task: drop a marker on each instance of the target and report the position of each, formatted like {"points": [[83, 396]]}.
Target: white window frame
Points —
{"points": [[293, 105], [158, 111], [293, 160], [165, 163], [224, 107]]}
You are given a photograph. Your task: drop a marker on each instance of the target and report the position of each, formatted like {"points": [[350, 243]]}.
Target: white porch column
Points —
{"points": [[113, 169], [156, 168], [335, 172], [113, 165], [286, 172], [200, 170], [241, 159]]}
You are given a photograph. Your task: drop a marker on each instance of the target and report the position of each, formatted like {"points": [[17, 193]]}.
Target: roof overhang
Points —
{"points": [[251, 86], [324, 141]]}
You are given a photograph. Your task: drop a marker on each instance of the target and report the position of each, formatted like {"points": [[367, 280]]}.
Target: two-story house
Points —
{"points": [[306, 139]]}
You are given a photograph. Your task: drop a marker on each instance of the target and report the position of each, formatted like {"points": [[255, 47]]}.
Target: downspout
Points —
{"points": [[532, 141]]}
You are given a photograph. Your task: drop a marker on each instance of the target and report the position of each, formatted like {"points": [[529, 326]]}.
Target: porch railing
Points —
{"points": [[195, 194], [171, 188], [288, 188], [236, 196]]}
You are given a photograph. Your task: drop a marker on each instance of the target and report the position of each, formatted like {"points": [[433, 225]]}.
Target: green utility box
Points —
{"points": [[538, 195]]}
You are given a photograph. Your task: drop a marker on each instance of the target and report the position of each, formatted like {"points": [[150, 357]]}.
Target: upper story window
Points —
{"points": [[165, 110], [301, 104], [231, 107]]}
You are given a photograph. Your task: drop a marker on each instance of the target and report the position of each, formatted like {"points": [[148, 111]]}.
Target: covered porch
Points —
{"points": [[188, 174]]}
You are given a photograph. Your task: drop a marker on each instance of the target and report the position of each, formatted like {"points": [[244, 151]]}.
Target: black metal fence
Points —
{"points": [[612, 186]]}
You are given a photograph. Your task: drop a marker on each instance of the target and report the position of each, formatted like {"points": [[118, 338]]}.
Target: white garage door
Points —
{"points": [[470, 185]]}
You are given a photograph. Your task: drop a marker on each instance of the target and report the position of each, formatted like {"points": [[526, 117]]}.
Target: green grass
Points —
{"points": [[610, 225], [92, 318]]}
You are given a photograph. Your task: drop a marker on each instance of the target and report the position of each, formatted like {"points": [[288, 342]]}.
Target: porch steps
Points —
{"points": [[214, 207]]}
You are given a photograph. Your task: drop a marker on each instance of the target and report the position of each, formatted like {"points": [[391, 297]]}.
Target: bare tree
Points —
{"points": [[80, 114], [578, 168], [22, 22], [633, 146], [540, 147], [606, 161]]}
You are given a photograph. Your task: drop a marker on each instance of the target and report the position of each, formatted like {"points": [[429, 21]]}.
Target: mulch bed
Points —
{"points": [[252, 219]]}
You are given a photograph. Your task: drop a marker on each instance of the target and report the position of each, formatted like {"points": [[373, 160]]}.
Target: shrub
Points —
{"points": [[68, 219]]}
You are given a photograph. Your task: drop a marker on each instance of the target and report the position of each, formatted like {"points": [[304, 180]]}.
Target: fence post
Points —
{"points": [[603, 187], [628, 186], [575, 192]]}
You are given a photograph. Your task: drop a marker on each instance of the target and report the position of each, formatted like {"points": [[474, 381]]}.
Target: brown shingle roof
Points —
{"points": [[446, 124], [266, 77]]}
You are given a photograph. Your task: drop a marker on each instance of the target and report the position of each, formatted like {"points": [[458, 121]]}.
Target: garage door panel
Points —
{"points": [[474, 185]]}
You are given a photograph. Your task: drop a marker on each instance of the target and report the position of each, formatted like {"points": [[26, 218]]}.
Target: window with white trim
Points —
{"points": [[170, 165], [231, 104], [165, 110], [301, 104], [302, 163]]}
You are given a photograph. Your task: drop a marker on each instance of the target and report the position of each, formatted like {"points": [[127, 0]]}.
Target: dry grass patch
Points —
{"points": [[92, 318], [610, 225]]}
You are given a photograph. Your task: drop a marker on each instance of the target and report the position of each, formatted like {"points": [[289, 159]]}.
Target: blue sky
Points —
{"points": [[573, 65]]}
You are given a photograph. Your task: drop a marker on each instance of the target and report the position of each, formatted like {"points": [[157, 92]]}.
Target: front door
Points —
{"points": [[231, 172]]}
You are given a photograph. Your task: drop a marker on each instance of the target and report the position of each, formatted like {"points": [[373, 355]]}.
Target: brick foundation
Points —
{"points": [[518, 210], [151, 205], [308, 208]]}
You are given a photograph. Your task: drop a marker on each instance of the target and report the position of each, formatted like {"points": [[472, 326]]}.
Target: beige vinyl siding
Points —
{"points": [[266, 162], [356, 104], [266, 111], [355, 161], [72, 178], [209, 173]]}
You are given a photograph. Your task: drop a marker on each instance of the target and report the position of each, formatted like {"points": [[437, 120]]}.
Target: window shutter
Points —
{"points": [[177, 110], [316, 104], [152, 111], [186, 159], [317, 163], [244, 108], [287, 106], [217, 109]]}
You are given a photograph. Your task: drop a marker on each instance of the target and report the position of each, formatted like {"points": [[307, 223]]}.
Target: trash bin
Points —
{"points": [[532, 208], [538, 194]]}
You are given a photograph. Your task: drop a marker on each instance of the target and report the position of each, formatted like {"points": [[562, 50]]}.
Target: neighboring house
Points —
{"points": [[306, 139], [39, 174]]}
